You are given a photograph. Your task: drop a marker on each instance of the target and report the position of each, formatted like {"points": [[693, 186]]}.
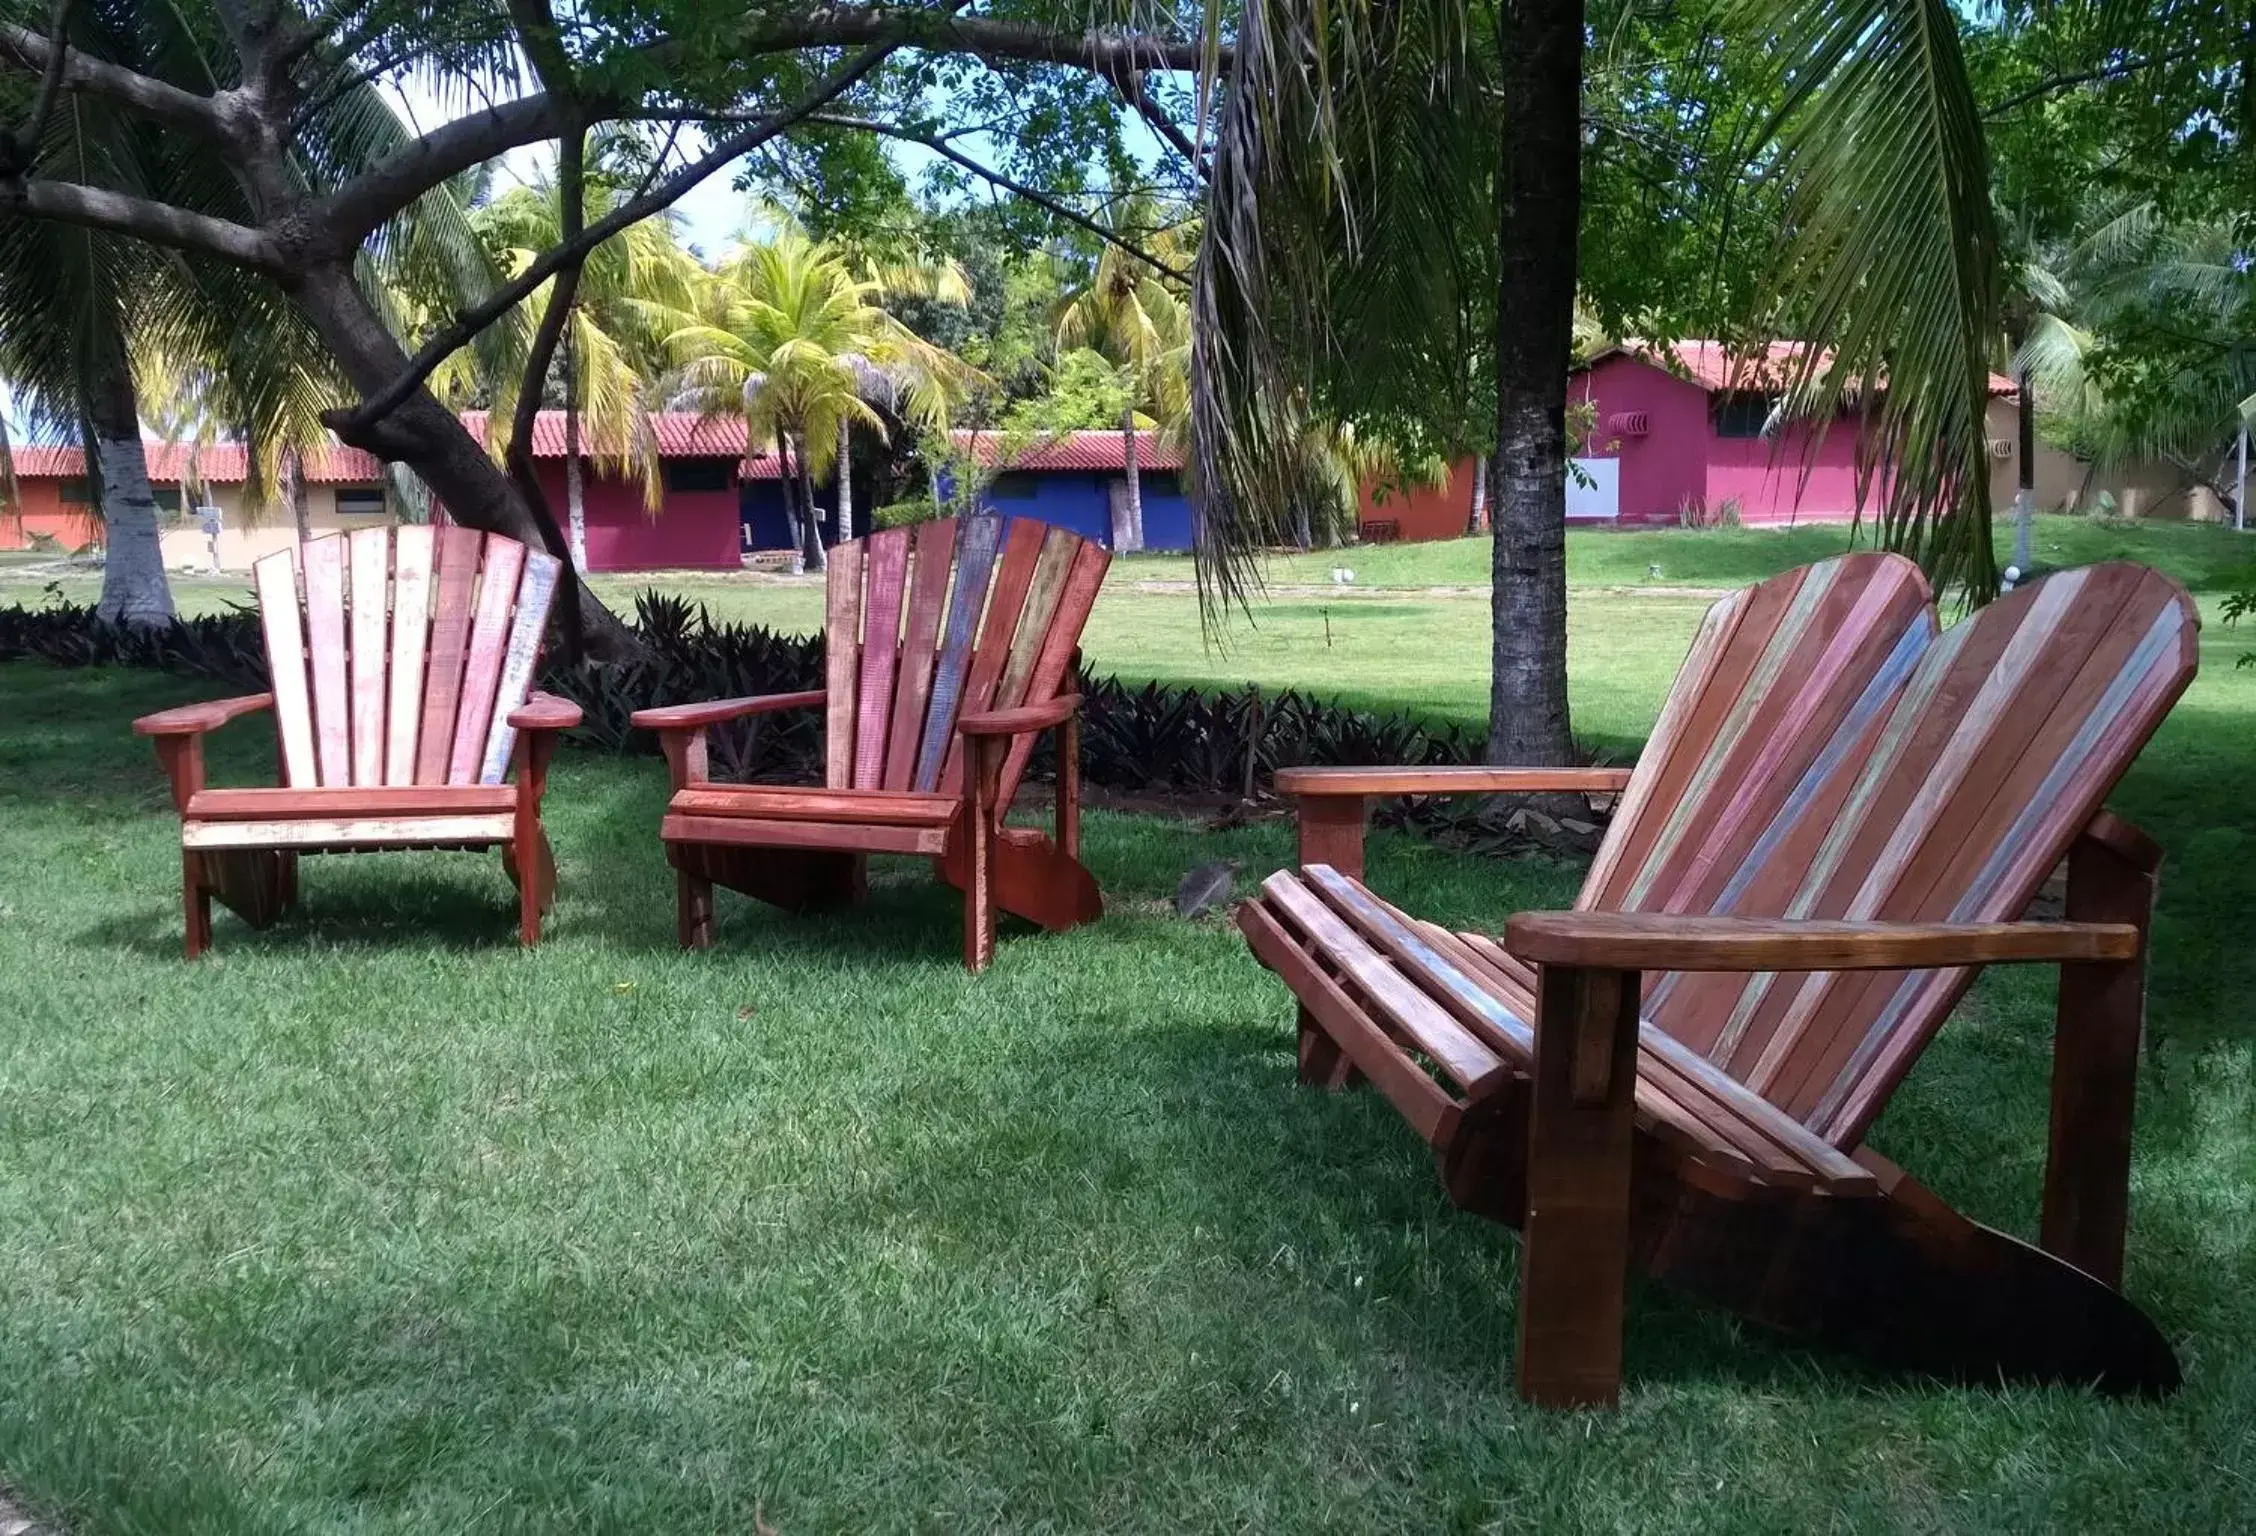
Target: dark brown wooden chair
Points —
{"points": [[936, 692], [1842, 814], [401, 666]]}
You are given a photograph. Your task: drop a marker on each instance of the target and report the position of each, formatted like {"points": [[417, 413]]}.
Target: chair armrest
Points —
{"points": [[1450, 781], [1652, 941], [546, 712], [195, 719], [683, 717], [1022, 721]]}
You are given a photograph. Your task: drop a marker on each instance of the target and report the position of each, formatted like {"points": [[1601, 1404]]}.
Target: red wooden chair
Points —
{"points": [[1841, 815], [400, 695], [934, 698]]}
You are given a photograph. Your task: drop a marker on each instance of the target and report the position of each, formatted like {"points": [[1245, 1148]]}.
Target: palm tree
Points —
{"points": [[788, 337], [1335, 261], [612, 353], [1127, 312]]}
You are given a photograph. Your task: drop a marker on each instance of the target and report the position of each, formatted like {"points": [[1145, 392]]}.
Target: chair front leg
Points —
{"points": [[1331, 832], [1574, 1258], [1069, 786], [2100, 1016], [532, 862], [983, 783], [685, 755]]}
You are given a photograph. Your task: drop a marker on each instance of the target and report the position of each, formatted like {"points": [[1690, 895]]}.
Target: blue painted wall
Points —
{"points": [[1069, 499], [1080, 501]]}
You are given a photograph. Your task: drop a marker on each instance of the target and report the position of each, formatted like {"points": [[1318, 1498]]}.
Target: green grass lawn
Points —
{"points": [[375, 1223]]}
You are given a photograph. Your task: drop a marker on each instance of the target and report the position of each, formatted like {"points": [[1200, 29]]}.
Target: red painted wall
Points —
{"points": [[1667, 467], [1680, 460], [1426, 511], [41, 510], [695, 530]]}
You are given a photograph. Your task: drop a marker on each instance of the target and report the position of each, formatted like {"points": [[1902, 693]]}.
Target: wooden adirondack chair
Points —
{"points": [[1841, 815], [400, 677], [932, 706]]}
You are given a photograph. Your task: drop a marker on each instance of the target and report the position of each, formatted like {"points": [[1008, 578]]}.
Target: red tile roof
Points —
{"points": [[1717, 369], [680, 434], [220, 463], [1083, 451]]}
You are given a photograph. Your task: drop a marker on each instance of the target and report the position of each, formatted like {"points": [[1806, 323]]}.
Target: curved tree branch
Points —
{"points": [[70, 202], [168, 104], [661, 197], [338, 223], [947, 151], [1115, 55]]}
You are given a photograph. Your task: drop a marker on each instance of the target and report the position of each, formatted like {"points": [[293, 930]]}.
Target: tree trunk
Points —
{"points": [[1480, 494], [1540, 175], [845, 480], [791, 514], [294, 494], [1135, 540], [575, 493], [134, 590], [2025, 492], [810, 526], [428, 438]]}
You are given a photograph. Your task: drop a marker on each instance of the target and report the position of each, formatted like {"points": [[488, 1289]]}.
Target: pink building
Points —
{"points": [[709, 494], [1680, 430]]}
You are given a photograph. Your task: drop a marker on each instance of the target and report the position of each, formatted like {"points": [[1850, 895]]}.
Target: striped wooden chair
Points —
{"points": [[934, 697], [1842, 814], [401, 663]]}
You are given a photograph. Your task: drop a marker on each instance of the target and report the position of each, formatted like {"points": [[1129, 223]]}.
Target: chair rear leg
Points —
{"points": [[1322, 1063], [196, 902], [693, 910]]}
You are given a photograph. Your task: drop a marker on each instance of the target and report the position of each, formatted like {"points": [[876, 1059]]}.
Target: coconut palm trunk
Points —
{"points": [[2025, 443], [291, 474], [845, 480], [785, 485], [134, 590], [1135, 531], [810, 525], [575, 489], [1540, 43]]}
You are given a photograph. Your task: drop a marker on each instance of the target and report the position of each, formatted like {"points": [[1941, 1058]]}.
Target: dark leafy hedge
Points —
{"points": [[1137, 738]]}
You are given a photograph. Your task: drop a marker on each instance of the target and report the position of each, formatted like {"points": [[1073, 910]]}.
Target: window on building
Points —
{"points": [[76, 491], [168, 498], [1016, 486], [1164, 482], [1743, 414], [697, 474], [360, 501]]}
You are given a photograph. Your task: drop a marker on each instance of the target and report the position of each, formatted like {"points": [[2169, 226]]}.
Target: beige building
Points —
{"points": [[2065, 483], [344, 489]]}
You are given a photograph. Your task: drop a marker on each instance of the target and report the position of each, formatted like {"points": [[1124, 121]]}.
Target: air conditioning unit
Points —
{"points": [[2001, 448], [1628, 424]]}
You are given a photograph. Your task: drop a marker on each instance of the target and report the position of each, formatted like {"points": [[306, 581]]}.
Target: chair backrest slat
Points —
{"points": [[976, 541], [276, 577], [324, 561], [935, 551], [520, 655], [842, 661], [404, 654], [454, 589], [1023, 538], [1828, 754], [412, 549], [371, 567], [481, 670], [888, 568], [1034, 620], [1061, 640]]}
